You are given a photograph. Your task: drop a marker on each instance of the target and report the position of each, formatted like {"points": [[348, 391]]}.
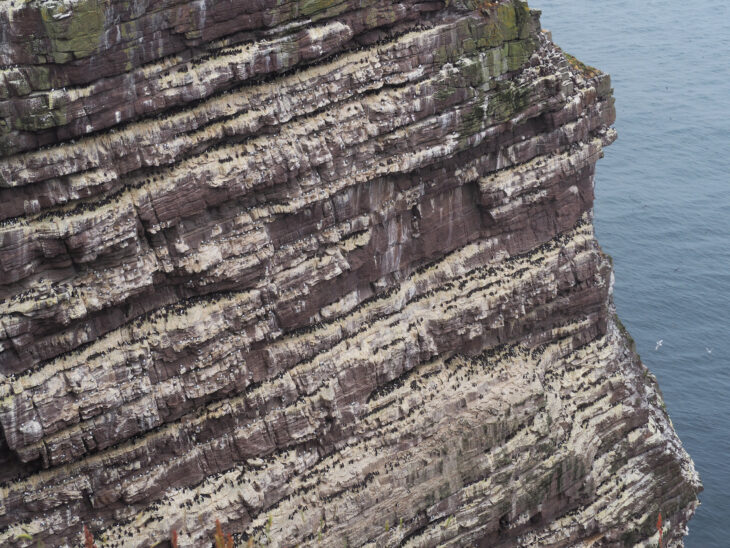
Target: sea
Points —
{"points": [[663, 209]]}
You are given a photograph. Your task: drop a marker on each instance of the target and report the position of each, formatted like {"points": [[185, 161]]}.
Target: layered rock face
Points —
{"points": [[322, 270]]}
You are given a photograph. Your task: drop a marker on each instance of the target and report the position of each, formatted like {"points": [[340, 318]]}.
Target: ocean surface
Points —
{"points": [[663, 209]]}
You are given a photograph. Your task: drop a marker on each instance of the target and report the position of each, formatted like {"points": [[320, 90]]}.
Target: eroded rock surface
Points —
{"points": [[323, 270]]}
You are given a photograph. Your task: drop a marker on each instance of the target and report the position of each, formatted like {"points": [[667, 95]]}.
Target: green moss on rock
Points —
{"points": [[40, 78], [508, 100], [518, 53], [472, 120], [586, 70], [41, 114], [507, 22], [74, 33]]}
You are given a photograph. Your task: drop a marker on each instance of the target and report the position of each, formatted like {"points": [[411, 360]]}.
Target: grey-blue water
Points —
{"points": [[663, 208]]}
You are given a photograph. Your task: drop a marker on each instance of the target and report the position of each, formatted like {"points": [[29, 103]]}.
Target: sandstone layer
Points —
{"points": [[322, 270]]}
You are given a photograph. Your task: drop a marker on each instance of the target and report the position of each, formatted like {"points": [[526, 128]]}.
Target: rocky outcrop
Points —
{"points": [[322, 270]]}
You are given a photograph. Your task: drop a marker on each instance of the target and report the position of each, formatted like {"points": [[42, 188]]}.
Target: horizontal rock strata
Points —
{"points": [[324, 271]]}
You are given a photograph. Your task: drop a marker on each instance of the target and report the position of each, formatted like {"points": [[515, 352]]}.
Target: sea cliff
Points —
{"points": [[324, 270]]}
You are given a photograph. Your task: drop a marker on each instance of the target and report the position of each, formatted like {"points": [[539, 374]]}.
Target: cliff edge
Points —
{"points": [[324, 270]]}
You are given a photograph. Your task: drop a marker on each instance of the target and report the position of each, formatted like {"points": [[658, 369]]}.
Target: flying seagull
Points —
{"points": [[659, 343], [709, 350]]}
